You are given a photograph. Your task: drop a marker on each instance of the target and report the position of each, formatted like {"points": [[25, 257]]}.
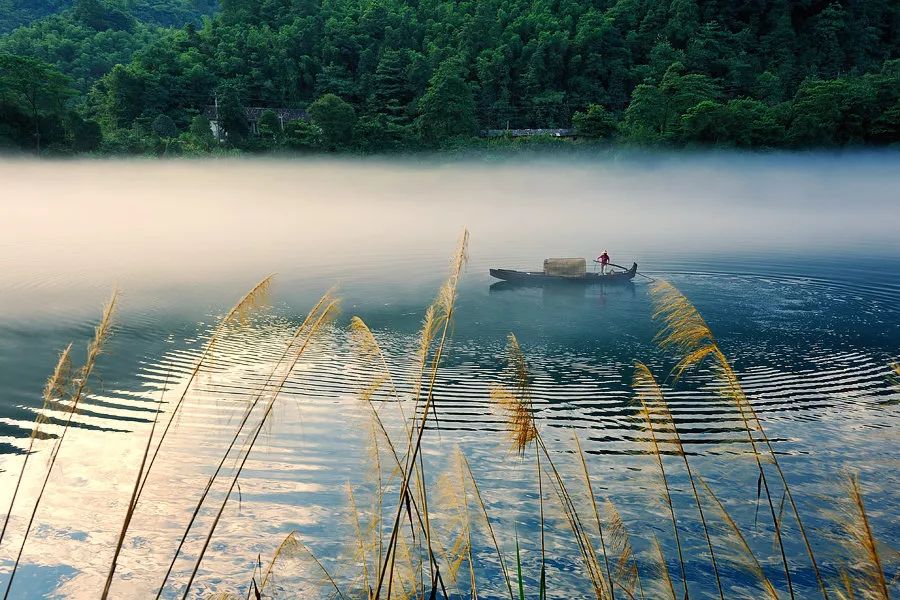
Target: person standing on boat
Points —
{"points": [[603, 259]]}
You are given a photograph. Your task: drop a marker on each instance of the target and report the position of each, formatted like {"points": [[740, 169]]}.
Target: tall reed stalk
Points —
{"points": [[686, 330], [57, 385], [517, 405], [325, 314], [749, 561], [593, 499], [870, 581], [248, 411], [648, 416], [656, 407], [132, 502], [94, 350], [239, 313], [438, 317]]}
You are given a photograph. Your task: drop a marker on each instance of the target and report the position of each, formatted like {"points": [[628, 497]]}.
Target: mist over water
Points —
{"points": [[792, 259]]}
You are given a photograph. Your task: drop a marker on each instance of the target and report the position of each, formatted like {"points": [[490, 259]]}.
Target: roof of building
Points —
{"points": [[527, 132]]}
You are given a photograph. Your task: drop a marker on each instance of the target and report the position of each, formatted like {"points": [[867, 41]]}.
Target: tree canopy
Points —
{"points": [[386, 74]]}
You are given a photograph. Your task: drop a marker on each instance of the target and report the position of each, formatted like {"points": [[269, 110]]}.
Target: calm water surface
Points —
{"points": [[793, 261]]}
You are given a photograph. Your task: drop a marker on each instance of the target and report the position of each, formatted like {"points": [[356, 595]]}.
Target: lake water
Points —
{"points": [[793, 261]]}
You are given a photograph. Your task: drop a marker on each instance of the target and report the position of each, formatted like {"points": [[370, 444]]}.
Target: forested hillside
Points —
{"points": [[379, 75], [16, 13]]}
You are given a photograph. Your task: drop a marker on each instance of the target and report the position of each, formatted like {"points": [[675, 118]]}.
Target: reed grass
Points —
{"points": [[80, 387], [323, 313], [285, 357], [650, 397], [748, 560], [438, 317], [57, 386], [866, 578], [440, 525], [656, 407], [132, 502], [238, 314], [685, 330]]}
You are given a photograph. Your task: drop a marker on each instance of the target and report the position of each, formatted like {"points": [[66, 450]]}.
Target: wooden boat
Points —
{"points": [[540, 278]]}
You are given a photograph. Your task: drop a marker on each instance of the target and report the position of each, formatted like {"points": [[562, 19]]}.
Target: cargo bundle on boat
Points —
{"points": [[565, 267]]}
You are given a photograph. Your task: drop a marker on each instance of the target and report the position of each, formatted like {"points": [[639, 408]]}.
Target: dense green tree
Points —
{"points": [[34, 88], [448, 106], [164, 127], [302, 135], [594, 122], [232, 115], [335, 118], [269, 127], [784, 73]]}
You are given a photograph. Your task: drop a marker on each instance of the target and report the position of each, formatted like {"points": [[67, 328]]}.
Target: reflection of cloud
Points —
{"points": [[69, 236]]}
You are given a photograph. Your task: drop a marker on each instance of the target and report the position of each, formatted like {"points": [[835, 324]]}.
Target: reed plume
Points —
{"points": [[650, 396], [868, 580], [293, 547], [662, 571], [654, 401], [94, 349], [685, 330], [325, 313], [238, 314], [747, 559], [626, 574], [57, 386], [248, 411]]}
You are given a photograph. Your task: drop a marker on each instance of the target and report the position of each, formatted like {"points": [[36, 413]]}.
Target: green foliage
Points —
{"points": [[595, 122], [232, 115], [164, 127], [31, 92], [335, 118], [448, 106], [302, 135], [394, 75]]}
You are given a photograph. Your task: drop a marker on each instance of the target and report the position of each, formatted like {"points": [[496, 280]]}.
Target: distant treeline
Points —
{"points": [[385, 75]]}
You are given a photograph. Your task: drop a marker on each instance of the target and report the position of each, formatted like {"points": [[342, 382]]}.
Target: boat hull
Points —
{"points": [[539, 278]]}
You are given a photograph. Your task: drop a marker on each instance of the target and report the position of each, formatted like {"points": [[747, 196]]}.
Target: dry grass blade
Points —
{"points": [[293, 547], [288, 547], [869, 580], [487, 523], [273, 375], [362, 548], [748, 561], [132, 502], [644, 379], [586, 549], [95, 348], [57, 385], [438, 316]]}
